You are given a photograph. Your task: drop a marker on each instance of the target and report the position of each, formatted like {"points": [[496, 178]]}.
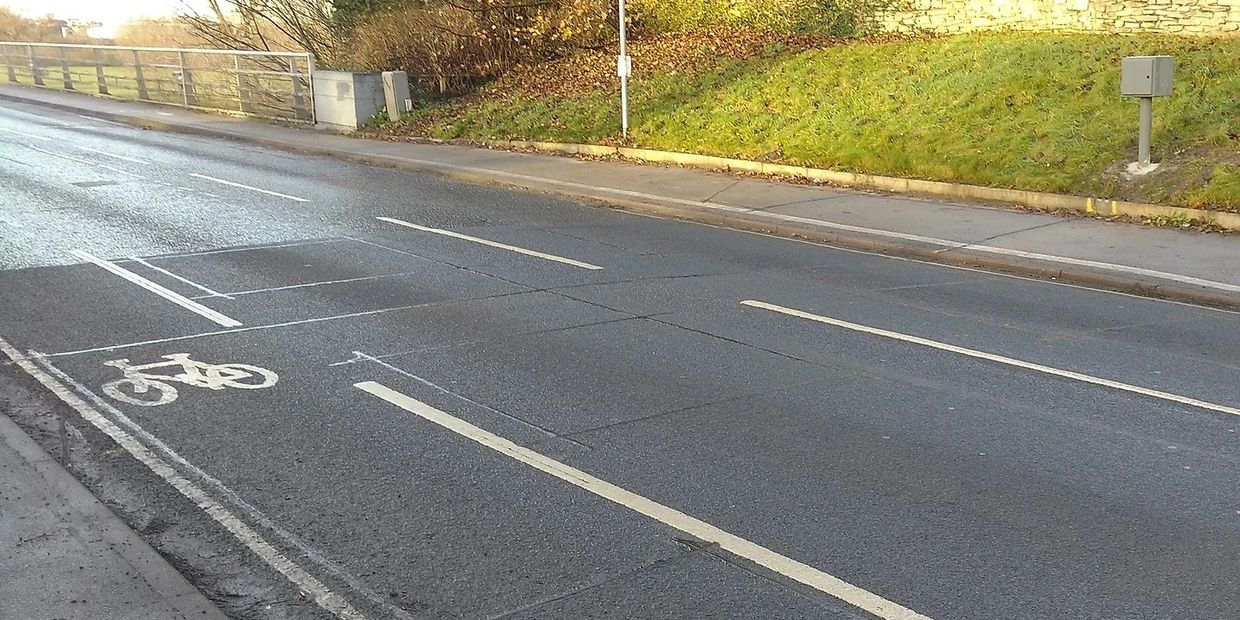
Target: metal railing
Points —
{"points": [[276, 85]]}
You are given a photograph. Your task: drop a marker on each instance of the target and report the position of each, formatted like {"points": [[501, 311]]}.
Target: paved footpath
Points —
{"points": [[1179, 264], [66, 556]]}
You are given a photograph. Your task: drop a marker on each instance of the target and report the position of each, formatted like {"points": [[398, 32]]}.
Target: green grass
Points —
{"points": [[1037, 111]]}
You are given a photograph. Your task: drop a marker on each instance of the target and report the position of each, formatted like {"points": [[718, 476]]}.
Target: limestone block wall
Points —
{"points": [[1188, 17]]}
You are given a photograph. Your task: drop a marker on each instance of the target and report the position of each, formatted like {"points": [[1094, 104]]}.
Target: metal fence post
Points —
{"points": [[34, 66], [298, 106], [240, 84], [314, 112], [64, 69], [187, 81], [137, 73], [99, 75], [8, 64]]}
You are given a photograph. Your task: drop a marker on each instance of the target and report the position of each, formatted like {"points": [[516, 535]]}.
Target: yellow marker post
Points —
{"points": [[1089, 205], [1114, 208]]}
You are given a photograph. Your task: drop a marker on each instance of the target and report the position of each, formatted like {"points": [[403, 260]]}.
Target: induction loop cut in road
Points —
{"points": [[942, 346]]}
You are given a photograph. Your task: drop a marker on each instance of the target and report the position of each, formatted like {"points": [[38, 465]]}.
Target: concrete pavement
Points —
{"points": [[1176, 264], [586, 412], [66, 556]]}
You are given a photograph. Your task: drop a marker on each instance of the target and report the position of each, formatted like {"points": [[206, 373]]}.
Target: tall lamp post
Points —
{"points": [[624, 68]]}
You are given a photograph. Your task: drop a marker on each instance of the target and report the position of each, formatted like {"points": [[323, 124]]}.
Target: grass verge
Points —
{"points": [[1036, 111]]}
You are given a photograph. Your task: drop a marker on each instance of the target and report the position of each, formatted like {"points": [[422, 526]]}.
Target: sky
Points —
{"points": [[111, 13]]}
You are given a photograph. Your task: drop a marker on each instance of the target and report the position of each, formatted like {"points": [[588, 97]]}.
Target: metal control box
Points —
{"points": [[1146, 76]]}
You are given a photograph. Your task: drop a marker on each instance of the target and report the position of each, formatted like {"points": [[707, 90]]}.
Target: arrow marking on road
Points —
{"points": [[788, 567]]}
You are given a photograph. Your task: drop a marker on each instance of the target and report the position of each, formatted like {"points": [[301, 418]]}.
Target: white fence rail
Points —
{"points": [[276, 85]]}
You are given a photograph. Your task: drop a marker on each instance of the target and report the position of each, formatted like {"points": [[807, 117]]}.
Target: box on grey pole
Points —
{"points": [[1145, 77]]}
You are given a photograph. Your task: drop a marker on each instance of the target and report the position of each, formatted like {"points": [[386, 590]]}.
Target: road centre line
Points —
{"points": [[942, 346], [208, 291], [245, 534], [803, 573], [249, 187], [171, 296], [114, 155], [26, 135], [494, 244]]}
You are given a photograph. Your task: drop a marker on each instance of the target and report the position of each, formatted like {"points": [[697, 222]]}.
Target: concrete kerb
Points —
{"points": [[940, 189], [752, 221]]}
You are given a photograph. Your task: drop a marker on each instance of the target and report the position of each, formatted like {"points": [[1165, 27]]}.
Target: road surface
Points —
{"points": [[329, 390]]}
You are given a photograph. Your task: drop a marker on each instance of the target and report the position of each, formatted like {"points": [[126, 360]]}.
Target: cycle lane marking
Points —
{"points": [[169, 295], [793, 569], [193, 373], [993, 357], [243, 186], [244, 533], [494, 244]]}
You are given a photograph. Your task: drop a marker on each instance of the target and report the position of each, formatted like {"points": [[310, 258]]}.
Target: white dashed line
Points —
{"points": [[249, 187], [494, 244], [171, 296], [942, 346], [788, 567]]}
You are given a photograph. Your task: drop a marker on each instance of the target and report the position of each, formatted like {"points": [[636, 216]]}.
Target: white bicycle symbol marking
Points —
{"points": [[152, 389]]}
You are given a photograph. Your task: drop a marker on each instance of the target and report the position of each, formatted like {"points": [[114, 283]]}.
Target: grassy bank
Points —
{"points": [[1035, 111]]}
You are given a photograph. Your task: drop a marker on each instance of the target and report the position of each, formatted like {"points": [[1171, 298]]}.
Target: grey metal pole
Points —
{"points": [[624, 75], [1147, 130]]}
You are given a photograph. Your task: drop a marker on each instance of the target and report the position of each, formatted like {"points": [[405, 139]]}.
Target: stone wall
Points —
{"points": [[1188, 17]]}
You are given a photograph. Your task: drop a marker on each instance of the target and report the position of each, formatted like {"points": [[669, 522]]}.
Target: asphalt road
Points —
{"points": [[570, 412]]}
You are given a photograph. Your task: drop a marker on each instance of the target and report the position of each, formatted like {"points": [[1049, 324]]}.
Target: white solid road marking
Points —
{"points": [[134, 160], [942, 346], [325, 598], [26, 135], [171, 296], [249, 187], [209, 292], [494, 244], [947, 244], [753, 552]]}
